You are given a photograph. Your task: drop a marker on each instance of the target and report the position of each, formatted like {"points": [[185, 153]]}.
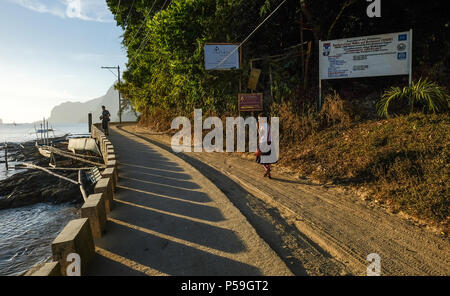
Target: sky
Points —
{"points": [[51, 52]]}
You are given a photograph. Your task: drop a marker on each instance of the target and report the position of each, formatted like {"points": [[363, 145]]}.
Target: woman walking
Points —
{"points": [[263, 139]]}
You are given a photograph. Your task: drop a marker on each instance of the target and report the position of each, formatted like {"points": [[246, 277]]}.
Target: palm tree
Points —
{"points": [[432, 97]]}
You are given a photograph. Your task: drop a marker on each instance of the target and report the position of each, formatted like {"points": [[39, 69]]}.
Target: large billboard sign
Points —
{"points": [[367, 56], [222, 56]]}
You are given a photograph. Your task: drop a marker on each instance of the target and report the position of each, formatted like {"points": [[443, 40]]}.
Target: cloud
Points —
{"points": [[87, 10], [41, 7]]}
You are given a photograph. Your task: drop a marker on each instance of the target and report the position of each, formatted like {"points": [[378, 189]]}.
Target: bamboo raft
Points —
{"points": [[77, 157], [79, 183]]}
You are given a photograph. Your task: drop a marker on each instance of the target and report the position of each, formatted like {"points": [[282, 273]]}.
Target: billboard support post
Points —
{"points": [[410, 55], [320, 81], [320, 94]]}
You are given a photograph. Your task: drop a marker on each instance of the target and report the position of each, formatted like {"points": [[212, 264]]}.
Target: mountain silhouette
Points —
{"points": [[77, 112]]}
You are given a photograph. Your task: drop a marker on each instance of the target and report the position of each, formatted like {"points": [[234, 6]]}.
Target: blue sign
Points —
{"points": [[402, 37], [401, 56]]}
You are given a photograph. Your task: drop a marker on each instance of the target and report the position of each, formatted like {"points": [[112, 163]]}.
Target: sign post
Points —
{"points": [[320, 80], [365, 56], [410, 56]]}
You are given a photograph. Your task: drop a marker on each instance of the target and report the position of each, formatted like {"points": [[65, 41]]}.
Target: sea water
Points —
{"points": [[26, 233], [27, 131]]}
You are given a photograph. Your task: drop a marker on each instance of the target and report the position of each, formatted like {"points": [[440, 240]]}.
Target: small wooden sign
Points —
{"points": [[250, 102], [254, 77]]}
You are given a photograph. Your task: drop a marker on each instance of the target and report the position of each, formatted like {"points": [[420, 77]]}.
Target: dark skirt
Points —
{"points": [[258, 157]]}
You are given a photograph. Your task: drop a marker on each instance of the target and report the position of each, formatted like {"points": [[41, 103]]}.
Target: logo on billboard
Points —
{"points": [[401, 47], [401, 56], [326, 49], [402, 37]]}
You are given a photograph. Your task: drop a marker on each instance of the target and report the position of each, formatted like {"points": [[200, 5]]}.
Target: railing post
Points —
{"points": [[90, 121]]}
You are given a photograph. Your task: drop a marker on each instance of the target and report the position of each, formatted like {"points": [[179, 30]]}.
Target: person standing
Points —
{"points": [[264, 138], [105, 118]]}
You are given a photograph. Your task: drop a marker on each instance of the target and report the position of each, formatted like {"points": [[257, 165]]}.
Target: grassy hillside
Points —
{"points": [[403, 161]]}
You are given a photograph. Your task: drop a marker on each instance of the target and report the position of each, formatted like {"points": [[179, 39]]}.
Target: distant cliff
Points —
{"points": [[75, 112]]}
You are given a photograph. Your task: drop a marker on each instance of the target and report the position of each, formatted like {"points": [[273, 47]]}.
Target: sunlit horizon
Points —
{"points": [[52, 55]]}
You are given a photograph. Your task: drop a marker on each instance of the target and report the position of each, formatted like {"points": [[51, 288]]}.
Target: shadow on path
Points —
{"points": [[163, 222], [160, 255]]}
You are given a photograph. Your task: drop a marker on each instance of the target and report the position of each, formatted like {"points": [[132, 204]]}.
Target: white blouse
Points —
{"points": [[264, 133]]}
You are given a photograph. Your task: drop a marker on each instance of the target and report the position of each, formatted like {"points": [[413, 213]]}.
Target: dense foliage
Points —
{"points": [[164, 42]]}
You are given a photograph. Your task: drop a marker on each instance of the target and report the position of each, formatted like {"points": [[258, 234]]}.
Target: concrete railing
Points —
{"points": [[75, 238], [94, 209], [46, 269], [79, 235]]}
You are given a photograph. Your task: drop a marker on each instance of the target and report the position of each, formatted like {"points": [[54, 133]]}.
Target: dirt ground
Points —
{"points": [[317, 229]]}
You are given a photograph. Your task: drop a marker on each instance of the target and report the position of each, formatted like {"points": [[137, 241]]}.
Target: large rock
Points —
{"points": [[32, 187]]}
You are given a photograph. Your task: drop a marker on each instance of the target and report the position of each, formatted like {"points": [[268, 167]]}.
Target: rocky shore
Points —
{"points": [[34, 186]]}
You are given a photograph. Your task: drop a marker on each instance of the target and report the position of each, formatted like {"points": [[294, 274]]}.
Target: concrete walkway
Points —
{"points": [[168, 219]]}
